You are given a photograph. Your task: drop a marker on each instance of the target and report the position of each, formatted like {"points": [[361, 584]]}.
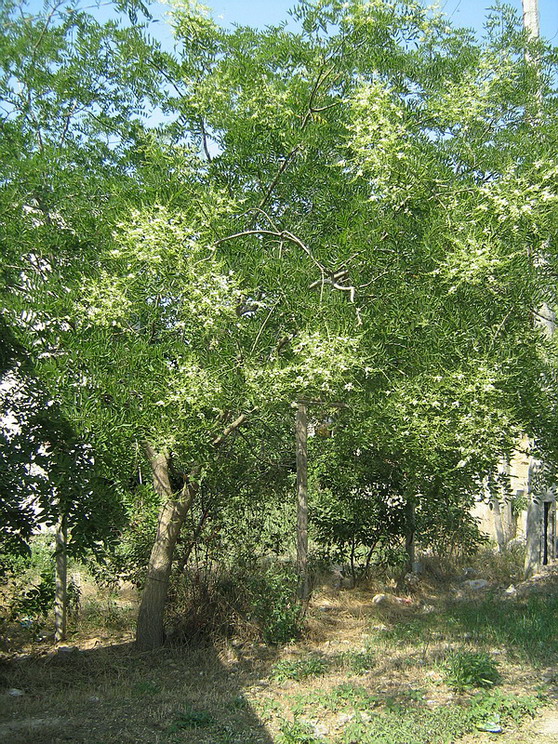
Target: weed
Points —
{"points": [[357, 662], [298, 732], [191, 719], [466, 669], [106, 614], [505, 708], [298, 669], [523, 626], [348, 694]]}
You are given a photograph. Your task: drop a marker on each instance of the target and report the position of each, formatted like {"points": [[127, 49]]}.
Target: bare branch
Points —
{"points": [[278, 175], [229, 430]]}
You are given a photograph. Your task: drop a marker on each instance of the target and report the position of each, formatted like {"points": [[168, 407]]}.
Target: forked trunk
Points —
{"points": [[150, 628]]}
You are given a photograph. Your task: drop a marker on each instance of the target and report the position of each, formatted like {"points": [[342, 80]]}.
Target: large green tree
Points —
{"points": [[357, 210]]}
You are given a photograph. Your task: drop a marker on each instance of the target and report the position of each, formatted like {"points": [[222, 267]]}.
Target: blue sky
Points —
{"points": [[462, 12], [267, 12], [470, 13]]}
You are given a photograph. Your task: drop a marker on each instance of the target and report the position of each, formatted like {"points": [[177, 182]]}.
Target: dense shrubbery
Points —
{"points": [[256, 600]]}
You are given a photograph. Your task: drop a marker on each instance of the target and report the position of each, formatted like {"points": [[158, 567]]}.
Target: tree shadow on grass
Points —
{"points": [[117, 695]]}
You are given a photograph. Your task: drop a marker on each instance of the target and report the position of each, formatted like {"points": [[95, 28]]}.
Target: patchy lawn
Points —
{"points": [[442, 663]]}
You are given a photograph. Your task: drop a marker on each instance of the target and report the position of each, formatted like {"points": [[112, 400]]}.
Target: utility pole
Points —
{"points": [[531, 18]]}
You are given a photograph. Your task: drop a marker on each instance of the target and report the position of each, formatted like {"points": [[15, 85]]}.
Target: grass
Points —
{"points": [[364, 675]]}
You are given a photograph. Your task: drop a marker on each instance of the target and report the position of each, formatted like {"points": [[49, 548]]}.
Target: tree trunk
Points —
{"points": [[150, 628], [410, 534], [302, 501], [61, 582], [534, 521], [498, 526]]}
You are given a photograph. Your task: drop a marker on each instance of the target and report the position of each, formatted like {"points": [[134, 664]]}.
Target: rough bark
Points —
{"points": [[61, 582], [302, 501], [533, 523], [150, 627]]}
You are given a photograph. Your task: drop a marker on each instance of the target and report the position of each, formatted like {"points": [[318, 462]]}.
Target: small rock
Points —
{"points": [[476, 584], [94, 699], [344, 718], [511, 590], [320, 729], [15, 693], [67, 649]]}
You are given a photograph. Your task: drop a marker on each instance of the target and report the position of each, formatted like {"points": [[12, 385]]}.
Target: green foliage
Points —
{"points": [[275, 605], [354, 211], [523, 626], [298, 732], [498, 708], [466, 669], [358, 662], [39, 599], [299, 669]]}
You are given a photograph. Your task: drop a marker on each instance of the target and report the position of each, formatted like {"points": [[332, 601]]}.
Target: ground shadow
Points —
{"points": [[117, 695]]}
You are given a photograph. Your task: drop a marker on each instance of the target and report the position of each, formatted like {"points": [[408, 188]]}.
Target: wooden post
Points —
{"points": [[61, 582], [302, 501]]}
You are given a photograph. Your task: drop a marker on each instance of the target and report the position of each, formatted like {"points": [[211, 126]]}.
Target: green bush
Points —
{"points": [[298, 732], [241, 600], [466, 669], [275, 606]]}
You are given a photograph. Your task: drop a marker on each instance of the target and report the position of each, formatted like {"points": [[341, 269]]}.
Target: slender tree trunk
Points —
{"points": [[498, 526], [61, 581], [150, 628], [302, 501], [410, 534], [533, 523]]}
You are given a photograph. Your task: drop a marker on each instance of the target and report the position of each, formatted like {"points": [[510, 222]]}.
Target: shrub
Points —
{"points": [[275, 605], [256, 600], [466, 669]]}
